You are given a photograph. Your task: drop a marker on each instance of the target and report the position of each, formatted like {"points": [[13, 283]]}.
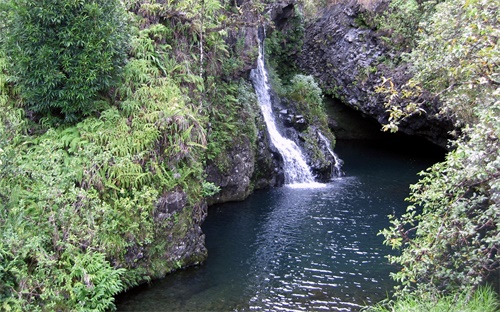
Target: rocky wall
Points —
{"points": [[347, 59]]}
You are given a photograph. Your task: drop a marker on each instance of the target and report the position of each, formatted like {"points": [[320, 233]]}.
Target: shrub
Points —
{"points": [[449, 235], [63, 53], [305, 90], [308, 97], [403, 19], [483, 300]]}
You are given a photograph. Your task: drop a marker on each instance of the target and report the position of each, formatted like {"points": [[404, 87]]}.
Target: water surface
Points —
{"points": [[291, 249]]}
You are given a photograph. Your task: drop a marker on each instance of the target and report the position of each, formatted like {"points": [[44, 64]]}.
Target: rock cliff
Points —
{"points": [[348, 60]]}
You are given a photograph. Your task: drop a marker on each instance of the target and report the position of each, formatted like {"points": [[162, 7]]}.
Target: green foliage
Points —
{"points": [[282, 45], [304, 89], [78, 202], [308, 99], [452, 242], [483, 300], [457, 57], [86, 282], [232, 116], [63, 53], [404, 20], [450, 234], [79, 220], [401, 102], [209, 189], [51, 247]]}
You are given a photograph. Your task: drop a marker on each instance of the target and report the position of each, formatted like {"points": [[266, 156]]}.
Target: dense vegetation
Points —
{"points": [[101, 117], [89, 142], [450, 234], [108, 110], [482, 300], [62, 54]]}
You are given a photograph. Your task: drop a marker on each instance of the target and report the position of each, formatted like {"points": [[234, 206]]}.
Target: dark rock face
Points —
{"points": [[248, 166], [169, 204], [280, 12], [243, 40], [346, 59], [178, 229], [190, 250], [235, 180], [315, 145], [269, 162]]}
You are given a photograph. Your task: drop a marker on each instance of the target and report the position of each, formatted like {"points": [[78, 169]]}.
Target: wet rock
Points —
{"points": [[191, 249], [234, 180], [245, 167], [177, 227], [169, 204], [269, 164]]}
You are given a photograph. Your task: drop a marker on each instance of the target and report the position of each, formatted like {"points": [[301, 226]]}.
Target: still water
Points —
{"points": [[291, 249]]}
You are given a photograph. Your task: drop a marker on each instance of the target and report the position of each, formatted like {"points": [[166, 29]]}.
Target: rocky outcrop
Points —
{"points": [[346, 57], [186, 241], [252, 163], [269, 163], [178, 229], [234, 180], [315, 145], [245, 166]]}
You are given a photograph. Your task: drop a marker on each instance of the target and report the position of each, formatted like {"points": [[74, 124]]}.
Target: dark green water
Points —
{"points": [[299, 249]]}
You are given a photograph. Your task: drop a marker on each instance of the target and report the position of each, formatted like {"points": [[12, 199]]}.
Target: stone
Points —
{"points": [[352, 55]]}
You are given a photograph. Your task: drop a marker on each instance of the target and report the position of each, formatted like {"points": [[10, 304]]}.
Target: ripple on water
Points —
{"points": [[293, 249]]}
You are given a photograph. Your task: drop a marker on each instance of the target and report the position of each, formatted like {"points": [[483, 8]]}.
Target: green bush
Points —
{"points": [[77, 202], [308, 98], [483, 300], [63, 53], [304, 89], [403, 20], [450, 234], [283, 45]]}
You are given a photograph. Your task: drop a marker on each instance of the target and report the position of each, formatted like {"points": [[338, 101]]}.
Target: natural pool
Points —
{"points": [[292, 249]]}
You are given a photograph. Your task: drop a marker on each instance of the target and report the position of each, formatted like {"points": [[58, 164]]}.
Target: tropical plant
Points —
{"points": [[78, 218], [402, 21], [308, 99], [483, 300], [450, 234], [62, 54]]}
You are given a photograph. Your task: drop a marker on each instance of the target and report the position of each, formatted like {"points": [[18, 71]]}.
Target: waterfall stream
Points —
{"points": [[337, 167], [307, 249], [297, 172]]}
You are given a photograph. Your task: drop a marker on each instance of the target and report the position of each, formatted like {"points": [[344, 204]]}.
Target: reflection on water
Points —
{"points": [[292, 249]]}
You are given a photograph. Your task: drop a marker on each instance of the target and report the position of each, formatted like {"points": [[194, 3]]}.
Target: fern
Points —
{"points": [[80, 200]]}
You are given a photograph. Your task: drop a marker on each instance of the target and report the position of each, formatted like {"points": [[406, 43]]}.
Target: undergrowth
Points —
{"points": [[78, 213], [484, 299]]}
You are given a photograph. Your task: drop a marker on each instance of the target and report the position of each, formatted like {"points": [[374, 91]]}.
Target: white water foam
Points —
{"points": [[297, 172], [338, 162]]}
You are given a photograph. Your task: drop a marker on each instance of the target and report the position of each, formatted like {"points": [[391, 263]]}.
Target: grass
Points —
{"points": [[484, 299]]}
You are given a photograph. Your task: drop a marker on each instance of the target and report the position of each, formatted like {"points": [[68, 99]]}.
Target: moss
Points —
{"points": [[234, 109], [314, 151]]}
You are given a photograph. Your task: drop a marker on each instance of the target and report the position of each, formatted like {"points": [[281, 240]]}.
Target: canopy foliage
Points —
{"points": [[61, 54], [450, 234]]}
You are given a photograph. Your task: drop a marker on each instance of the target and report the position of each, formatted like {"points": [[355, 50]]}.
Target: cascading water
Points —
{"points": [[297, 172], [337, 167]]}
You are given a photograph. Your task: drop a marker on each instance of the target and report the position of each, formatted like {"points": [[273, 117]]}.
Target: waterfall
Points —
{"points": [[297, 172], [337, 167]]}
